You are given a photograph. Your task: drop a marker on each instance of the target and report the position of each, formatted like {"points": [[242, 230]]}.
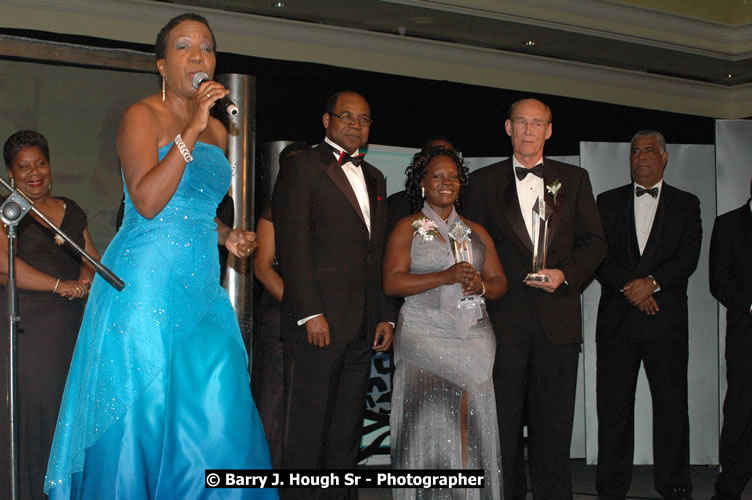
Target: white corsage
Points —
{"points": [[425, 228], [553, 189]]}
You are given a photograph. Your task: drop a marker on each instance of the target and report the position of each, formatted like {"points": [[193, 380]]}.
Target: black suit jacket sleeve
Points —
{"points": [[291, 207], [612, 273], [729, 261], [676, 271], [589, 241]]}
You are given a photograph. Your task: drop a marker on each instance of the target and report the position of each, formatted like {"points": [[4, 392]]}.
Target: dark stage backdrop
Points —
{"points": [[406, 110]]}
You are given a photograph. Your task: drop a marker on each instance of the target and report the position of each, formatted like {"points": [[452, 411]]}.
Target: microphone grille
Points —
{"points": [[199, 78]]}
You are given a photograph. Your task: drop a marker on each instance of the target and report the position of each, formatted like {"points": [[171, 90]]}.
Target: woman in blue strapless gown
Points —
{"points": [[158, 389]]}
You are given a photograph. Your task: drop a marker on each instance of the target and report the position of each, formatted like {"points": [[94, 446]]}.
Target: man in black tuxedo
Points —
{"points": [[330, 209], [538, 325], [731, 284], [654, 235]]}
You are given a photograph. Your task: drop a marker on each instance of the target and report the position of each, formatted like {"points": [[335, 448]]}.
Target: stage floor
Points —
{"points": [[583, 479]]}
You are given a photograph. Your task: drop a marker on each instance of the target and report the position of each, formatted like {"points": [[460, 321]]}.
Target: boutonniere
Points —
{"points": [[426, 228], [553, 189]]}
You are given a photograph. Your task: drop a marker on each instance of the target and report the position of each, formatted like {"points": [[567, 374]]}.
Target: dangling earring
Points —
{"points": [[49, 189], [422, 192], [164, 93], [13, 183]]}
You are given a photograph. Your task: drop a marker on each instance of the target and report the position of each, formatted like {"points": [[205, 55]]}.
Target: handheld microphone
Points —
{"points": [[224, 103]]}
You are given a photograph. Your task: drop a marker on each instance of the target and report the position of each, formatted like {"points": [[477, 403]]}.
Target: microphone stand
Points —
{"points": [[15, 207]]}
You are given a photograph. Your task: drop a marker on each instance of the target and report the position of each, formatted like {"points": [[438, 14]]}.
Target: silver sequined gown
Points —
{"points": [[434, 367]]}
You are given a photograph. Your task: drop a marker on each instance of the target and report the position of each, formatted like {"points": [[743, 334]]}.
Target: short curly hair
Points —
{"points": [[416, 171], [160, 47], [21, 140]]}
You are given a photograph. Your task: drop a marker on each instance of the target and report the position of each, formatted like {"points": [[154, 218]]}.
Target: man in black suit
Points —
{"points": [[654, 235], [538, 325], [330, 209], [731, 284]]}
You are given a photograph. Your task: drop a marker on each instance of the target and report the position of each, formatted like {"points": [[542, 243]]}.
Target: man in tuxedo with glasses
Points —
{"points": [[330, 209]]}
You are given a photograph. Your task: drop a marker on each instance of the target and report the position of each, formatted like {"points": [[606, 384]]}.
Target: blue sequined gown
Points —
{"points": [[158, 389]]}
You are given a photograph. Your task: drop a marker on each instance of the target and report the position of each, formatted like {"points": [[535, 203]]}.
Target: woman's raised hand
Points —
{"points": [[207, 94]]}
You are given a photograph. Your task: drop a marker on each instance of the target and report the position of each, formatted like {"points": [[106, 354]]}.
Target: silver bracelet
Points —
{"points": [[183, 149], [56, 285]]}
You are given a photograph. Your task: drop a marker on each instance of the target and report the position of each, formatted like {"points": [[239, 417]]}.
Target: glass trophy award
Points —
{"points": [[462, 250], [541, 215]]}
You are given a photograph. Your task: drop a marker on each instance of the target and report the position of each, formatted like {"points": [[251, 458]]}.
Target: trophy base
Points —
{"points": [[537, 277], [471, 302]]}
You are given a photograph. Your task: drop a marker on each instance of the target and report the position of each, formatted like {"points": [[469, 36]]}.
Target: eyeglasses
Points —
{"points": [[350, 119], [523, 123]]}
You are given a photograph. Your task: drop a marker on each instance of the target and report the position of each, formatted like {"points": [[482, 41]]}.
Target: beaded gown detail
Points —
{"points": [[435, 365], [158, 389]]}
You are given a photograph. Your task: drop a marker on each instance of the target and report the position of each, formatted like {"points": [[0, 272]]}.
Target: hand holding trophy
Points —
{"points": [[462, 250], [541, 215]]}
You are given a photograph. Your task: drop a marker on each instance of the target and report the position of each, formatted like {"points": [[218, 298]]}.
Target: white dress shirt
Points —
{"points": [[357, 181], [645, 207], [529, 190]]}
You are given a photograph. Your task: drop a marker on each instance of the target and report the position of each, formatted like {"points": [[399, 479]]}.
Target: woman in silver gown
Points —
{"points": [[443, 405]]}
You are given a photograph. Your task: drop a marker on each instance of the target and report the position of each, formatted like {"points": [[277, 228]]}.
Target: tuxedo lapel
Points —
{"points": [[337, 175], [633, 246], [550, 175], [510, 205]]}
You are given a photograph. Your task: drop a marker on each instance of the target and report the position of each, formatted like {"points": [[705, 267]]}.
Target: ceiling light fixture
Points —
{"points": [[278, 5], [530, 43]]}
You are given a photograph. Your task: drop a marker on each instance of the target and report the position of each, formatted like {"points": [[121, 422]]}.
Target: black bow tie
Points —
{"points": [[344, 157], [652, 191], [522, 172]]}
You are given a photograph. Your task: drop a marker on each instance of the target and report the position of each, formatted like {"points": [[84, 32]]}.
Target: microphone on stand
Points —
{"points": [[223, 103]]}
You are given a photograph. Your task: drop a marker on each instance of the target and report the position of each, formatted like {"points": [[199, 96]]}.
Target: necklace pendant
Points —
{"points": [[59, 241]]}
